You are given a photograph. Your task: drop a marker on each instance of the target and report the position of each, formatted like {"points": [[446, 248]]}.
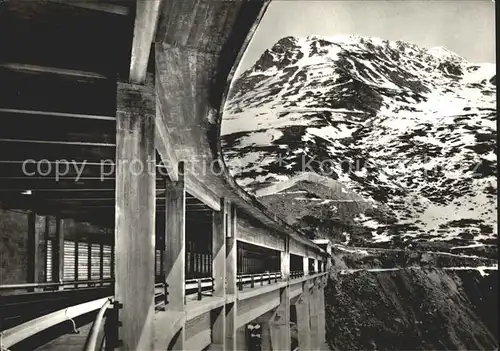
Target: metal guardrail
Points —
{"points": [[91, 342], [200, 287], [243, 279], [296, 274], [161, 296], [73, 284], [23, 331]]}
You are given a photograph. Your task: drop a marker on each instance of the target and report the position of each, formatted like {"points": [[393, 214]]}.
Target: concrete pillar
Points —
{"points": [[232, 333], [265, 322], [303, 319], [219, 273], [135, 216], [280, 321], [265, 336], [33, 249], [175, 248], [321, 315], [314, 316], [305, 265], [240, 339], [58, 253]]}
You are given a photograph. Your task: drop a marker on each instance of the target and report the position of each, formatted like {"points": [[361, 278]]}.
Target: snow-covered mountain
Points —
{"points": [[371, 141]]}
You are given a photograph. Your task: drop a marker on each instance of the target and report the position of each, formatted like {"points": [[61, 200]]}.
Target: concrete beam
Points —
{"points": [[146, 19], [259, 235], [250, 309], [163, 143], [199, 341], [202, 192], [297, 248], [135, 216]]}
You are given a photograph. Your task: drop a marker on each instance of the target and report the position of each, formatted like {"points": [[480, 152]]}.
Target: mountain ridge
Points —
{"points": [[410, 130]]}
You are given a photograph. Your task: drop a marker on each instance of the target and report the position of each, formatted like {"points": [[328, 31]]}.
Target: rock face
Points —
{"points": [[368, 141], [391, 299], [405, 309]]}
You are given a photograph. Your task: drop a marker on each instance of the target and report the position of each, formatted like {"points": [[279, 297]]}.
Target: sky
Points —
{"points": [[466, 27]]}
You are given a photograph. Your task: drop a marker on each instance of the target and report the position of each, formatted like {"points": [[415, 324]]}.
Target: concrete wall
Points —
{"points": [[14, 226], [13, 247], [255, 233]]}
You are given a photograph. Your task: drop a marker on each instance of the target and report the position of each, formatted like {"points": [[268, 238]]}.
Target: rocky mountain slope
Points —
{"points": [[428, 309], [390, 299], [372, 142]]}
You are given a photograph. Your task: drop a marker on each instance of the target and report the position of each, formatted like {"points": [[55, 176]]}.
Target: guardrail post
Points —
{"points": [[166, 294], [199, 289], [251, 281], [240, 283], [111, 326], [261, 279]]}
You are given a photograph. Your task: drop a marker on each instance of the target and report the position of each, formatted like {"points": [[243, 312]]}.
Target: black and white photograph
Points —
{"points": [[248, 175]]}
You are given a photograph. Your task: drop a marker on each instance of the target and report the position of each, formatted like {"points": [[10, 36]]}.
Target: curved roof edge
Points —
{"points": [[287, 229]]}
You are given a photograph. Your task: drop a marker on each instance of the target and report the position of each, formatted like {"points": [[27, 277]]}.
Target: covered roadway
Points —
{"points": [[118, 216]]}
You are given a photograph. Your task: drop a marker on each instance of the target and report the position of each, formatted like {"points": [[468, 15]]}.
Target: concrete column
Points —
{"points": [[314, 317], [175, 248], [305, 265], [265, 336], [280, 322], [58, 253], [265, 322], [303, 319], [240, 339], [219, 273], [321, 315], [33, 249], [232, 333], [135, 216]]}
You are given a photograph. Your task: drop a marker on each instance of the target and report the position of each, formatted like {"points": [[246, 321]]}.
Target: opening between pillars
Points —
{"points": [[257, 265], [199, 279], [296, 266]]}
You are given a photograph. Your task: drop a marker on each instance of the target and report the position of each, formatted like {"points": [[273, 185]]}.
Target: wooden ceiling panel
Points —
{"points": [[25, 125], [28, 90], [55, 34], [20, 151]]}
